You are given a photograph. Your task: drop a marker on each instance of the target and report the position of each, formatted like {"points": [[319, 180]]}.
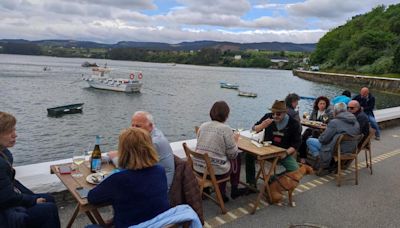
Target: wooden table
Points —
{"points": [[313, 124], [72, 183], [266, 153]]}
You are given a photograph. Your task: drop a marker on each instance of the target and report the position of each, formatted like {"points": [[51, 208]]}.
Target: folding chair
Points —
{"points": [[207, 179], [366, 146], [339, 156]]}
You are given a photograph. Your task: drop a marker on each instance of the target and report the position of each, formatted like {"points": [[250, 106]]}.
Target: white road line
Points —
{"points": [[220, 220], [231, 215], [244, 211]]}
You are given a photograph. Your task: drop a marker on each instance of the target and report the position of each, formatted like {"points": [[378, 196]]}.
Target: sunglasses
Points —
{"points": [[277, 113], [351, 108]]}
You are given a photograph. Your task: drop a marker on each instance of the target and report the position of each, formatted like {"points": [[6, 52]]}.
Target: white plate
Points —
{"points": [[95, 178]]}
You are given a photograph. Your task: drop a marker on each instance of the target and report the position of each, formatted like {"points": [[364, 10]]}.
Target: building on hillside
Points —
{"points": [[279, 61], [238, 57]]}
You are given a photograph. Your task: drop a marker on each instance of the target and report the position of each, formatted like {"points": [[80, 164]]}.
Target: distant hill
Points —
{"points": [[195, 45], [368, 43]]}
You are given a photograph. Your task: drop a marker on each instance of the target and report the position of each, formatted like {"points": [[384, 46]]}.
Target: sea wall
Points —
{"points": [[391, 85]]}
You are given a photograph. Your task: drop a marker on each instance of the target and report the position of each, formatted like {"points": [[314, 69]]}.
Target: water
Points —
{"points": [[179, 97]]}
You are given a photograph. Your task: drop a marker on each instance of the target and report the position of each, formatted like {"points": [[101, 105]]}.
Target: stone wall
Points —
{"points": [[391, 85]]}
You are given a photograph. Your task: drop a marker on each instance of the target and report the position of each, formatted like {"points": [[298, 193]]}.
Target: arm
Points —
{"points": [[263, 123], [103, 192], [8, 197], [328, 134], [231, 148], [295, 138], [370, 104]]}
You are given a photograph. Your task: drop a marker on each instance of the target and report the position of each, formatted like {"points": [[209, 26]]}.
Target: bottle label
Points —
{"points": [[96, 164]]}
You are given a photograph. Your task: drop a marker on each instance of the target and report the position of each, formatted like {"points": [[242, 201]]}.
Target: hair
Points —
{"points": [[290, 98], [347, 93], [219, 111], [136, 150], [7, 122], [340, 107], [315, 107], [146, 114]]}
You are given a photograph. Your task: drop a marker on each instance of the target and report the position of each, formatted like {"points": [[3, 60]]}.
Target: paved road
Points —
{"points": [[375, 202]]}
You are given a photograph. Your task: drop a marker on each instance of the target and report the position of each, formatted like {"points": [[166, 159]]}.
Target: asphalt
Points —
{"points": [[374, 202]]}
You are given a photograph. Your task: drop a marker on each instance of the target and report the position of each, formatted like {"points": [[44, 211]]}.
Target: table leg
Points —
{"points": [[73, 216], [90, 216], [98, 217], [265, 186]]}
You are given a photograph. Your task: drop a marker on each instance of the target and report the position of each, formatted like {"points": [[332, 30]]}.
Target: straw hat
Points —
{"points": [[278, 106]]}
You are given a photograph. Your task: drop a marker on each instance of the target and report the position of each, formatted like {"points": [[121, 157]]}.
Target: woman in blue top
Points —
{"points": [[139, 192]]}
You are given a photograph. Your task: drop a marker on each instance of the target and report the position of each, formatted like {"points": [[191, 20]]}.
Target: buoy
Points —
{"points": [[132, 76], [140, 75]]}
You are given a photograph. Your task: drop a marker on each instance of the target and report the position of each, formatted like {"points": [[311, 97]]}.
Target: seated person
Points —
{"points": [[292, 102], [345, 98], [220, 143], [283, 131], [343, 122], [362, 118], [19, 205], [139, 192], [320, 111]]}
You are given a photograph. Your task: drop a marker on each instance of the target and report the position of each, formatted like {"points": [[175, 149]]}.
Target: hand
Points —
{"points": [[266, 123], [236, 136], [40, 200], [112, 154]]}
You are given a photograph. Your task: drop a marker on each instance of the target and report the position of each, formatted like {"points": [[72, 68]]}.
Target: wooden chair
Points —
{"points": [[366, 146], [196, 129], [339, 157], [207, 179]]}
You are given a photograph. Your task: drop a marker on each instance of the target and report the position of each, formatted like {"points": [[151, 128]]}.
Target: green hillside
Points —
{"points": [[368, 44]]}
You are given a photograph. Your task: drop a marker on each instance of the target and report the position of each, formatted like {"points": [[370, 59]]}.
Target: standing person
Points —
{"points": [[367, 102], [292, 101], [283, 131], [19, 206], [139, 192], [144, 120], [220, 143]]}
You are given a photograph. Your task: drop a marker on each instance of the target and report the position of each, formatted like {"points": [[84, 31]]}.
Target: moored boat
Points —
{"points": [[65, 109], [100, 79], [87, 64], [247, 94], [228, 85]]}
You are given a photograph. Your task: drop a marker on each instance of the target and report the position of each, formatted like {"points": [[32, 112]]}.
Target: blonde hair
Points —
{"points": [[136, 150], [7, 122]]}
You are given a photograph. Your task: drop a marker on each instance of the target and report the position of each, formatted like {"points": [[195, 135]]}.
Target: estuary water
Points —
{"points": [[178, 96]]}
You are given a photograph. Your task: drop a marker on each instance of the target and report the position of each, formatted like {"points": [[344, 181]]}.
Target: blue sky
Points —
{"points": [[174, 21]]}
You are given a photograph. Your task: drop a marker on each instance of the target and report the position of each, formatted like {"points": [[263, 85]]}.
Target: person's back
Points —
{"points": [[136, 195], [165, 154]]}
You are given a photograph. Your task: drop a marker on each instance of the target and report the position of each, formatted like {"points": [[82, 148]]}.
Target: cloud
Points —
{"points": [[226, 7], [123, 4]]}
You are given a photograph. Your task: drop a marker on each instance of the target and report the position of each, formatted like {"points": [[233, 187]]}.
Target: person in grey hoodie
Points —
{"points": [[343, 122]]}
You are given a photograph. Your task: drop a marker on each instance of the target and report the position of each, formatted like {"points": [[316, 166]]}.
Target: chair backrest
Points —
{"points": [[366, 143], [347, 138], [196, 129], [190, 154]]}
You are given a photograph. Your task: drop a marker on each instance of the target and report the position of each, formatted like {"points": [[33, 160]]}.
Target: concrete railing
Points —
{"points": [[37, 177]]}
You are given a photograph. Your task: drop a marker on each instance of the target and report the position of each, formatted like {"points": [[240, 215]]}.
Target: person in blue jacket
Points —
{"points": [[345, 98], [19, 206], [139, 192]]}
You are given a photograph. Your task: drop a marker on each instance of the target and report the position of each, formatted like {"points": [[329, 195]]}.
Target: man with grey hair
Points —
{"points": [[144, 120], [343, 122]]}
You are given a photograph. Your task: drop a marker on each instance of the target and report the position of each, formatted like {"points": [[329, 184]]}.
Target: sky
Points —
{"points": [[175, 21]]}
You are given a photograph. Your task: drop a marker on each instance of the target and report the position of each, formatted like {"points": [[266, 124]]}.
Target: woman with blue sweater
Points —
{"points": [[139, 192]]}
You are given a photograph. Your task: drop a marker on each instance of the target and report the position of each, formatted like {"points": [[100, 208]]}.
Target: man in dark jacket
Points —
{"points": [[362, 118], [283, 131], [323, 147], [367, 102]]}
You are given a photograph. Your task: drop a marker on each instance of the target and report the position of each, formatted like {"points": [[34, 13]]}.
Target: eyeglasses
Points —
{"points": [[351, 108], [277, 113]]}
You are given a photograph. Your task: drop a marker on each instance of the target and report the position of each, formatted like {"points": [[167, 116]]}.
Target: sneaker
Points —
{"points": [[377, 138]]}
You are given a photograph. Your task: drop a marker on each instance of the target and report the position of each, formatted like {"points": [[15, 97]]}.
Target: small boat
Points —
{"points": [[307, 98], [247, 94], [66, 109], [87, 64], [101, 79], [228, 85]]}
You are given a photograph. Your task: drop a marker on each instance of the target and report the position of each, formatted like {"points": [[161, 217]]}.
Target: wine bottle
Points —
{"points": [[95, 159]]}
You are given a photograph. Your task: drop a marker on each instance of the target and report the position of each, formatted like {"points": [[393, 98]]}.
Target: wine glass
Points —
{"points": [[306, 115], [325, 118], [78, 158]]}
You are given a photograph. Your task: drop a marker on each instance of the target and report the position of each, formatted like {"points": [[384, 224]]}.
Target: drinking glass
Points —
{"points": [[78, 158], [306, 115], [325, 118]]}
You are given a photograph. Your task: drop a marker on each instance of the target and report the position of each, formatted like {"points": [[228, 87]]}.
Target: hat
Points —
{"points": [[278, 106]]}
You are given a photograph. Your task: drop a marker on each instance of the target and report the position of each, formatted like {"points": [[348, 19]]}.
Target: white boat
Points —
{"points": [[100, 79]]}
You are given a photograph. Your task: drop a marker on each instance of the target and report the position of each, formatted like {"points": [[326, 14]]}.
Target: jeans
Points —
{"points": [[43, 215], [314, 146], [374, 125]]}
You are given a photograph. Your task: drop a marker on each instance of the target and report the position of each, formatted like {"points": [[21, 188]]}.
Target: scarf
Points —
{"points": [[281, 125]]}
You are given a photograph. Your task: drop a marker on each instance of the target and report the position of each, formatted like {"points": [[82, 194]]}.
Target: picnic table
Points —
{"points": [[263, 154], [72, 183]]}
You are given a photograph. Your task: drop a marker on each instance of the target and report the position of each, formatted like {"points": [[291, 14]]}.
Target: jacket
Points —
{"points": [[314, 115], [344, 122], [367, 104], [185, 189]]}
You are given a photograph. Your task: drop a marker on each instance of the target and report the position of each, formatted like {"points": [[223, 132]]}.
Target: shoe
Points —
{"points": [[236, 192], [322, 172], [225, 198], [377, 138]]}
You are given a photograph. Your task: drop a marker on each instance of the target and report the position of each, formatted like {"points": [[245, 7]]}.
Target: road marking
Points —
{"points": [[240, 211]]}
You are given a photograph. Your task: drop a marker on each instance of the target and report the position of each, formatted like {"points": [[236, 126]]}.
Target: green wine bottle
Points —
{"points": [[95, 159]]}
